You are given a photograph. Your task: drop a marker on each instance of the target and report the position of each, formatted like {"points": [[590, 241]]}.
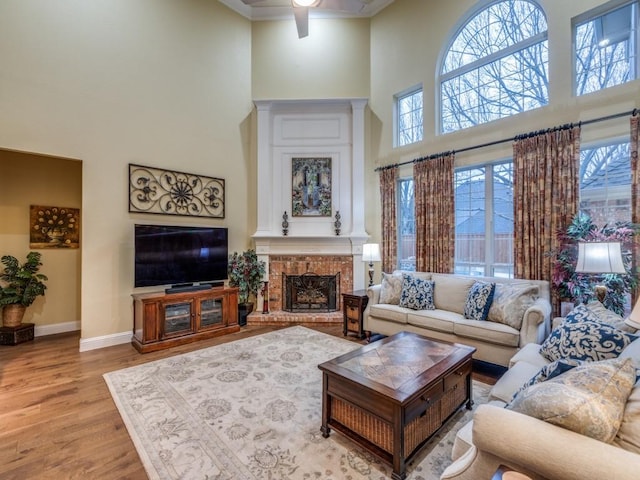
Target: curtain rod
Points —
{"points": [[633, 112]]}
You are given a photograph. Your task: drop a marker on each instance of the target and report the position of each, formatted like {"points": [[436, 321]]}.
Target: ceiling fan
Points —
{"points": [[301, 10]]}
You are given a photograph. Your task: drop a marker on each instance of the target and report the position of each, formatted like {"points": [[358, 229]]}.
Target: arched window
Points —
{"points": [[495, 66]]}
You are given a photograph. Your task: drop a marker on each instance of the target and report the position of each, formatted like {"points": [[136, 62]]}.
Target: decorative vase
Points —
{"points": [[244, 309], [12, 315]]}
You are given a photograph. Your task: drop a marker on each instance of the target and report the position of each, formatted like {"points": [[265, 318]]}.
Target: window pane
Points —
{"points": [[406, 225], [470, 221], [409, 108], [496, 66], [605, 183], [503, 220], [605, 50]]}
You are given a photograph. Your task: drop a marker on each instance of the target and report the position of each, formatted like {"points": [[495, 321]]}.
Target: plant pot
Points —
{"points": [[12, 315], [244, 309]]}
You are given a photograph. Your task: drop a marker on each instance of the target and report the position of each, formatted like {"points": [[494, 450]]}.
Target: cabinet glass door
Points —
{"points": [[177, 318], [211, 312]]}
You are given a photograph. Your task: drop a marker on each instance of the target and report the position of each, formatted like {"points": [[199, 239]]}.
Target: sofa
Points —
{"points": [[518, 312], [582, 423]]}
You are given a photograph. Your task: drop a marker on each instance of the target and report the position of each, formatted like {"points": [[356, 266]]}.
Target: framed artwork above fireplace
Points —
{"points": [[311, 187]]}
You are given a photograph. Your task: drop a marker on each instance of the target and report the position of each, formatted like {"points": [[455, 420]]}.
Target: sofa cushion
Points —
{"points": [[417, 294], [530, 353], [479, 300], [391, 288], [488, 332], [392, 313], [512, 380], [633, 352], [510, 301], [585, 340], [628, 436], [589, 399], [439, 320], [451, 292]]}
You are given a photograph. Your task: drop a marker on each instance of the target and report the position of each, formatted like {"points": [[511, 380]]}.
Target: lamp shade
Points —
{"points": [[600, 257], [633, 320], [371, 252]]}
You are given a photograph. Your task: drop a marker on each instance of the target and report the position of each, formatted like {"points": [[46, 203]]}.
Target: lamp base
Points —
{"points": [[370, 274], [601, 292]]}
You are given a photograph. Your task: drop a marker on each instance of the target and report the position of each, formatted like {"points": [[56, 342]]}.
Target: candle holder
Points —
{"points": [[285, 224], [337, 224]]}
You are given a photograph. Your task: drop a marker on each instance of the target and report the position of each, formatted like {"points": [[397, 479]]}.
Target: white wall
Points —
{"points": [[155, 82]]}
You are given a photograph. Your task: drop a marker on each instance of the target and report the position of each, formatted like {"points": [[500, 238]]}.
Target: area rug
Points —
{"points": [[251, 409]]}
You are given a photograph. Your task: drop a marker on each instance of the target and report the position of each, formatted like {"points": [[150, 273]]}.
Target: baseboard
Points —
{"points": [[42, 330], [94, 343]]}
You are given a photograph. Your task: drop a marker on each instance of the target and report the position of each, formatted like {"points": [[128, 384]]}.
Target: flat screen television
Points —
{"points": [[171, 255]]}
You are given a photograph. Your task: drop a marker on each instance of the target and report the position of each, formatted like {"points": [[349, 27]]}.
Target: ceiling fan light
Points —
{"points": [[303, 3]]}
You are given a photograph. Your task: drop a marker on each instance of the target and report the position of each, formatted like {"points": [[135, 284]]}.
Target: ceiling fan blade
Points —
{"points": [[251, 2], [351, 6], [301, 15]]}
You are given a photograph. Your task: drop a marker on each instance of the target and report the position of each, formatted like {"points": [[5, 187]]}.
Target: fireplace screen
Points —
{"points": [[310, 292]]}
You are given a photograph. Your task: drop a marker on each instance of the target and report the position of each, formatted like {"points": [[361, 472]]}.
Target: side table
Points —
{"points": [[353, 305], [15, 335]]}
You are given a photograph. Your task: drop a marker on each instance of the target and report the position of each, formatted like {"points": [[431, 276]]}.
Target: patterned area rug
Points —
{"points": [[251, 409]]}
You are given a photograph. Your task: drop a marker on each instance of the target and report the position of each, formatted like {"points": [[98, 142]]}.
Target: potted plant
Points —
{"points": [[21, 284], [579, 287], [246, 272]]}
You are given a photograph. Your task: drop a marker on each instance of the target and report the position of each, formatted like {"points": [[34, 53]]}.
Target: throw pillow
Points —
{"points": [[585, 340], [589, 399], [391, 288], [581, 313], [549, 371], [510, 301], [417, 294], [479, 301], [607, 316]]}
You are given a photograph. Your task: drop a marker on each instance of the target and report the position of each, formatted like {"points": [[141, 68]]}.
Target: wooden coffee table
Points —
{"points": [[392, 395]]}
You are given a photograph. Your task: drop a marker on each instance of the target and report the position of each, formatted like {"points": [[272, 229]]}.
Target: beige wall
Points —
{"points": [[407, 39], [36, 180], [110, 82]]}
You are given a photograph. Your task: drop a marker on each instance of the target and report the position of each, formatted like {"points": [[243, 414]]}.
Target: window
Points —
{"points": [[409, 117], [484, 220], [406, 225], [496, 66], [605, 183], [606, 48]]}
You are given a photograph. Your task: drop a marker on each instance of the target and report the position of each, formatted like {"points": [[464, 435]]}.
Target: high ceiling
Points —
{"points": [[281, 9]]}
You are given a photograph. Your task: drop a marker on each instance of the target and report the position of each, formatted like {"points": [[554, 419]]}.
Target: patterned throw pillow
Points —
{"points": [[391, 288], [581, 313], [510, 301], [479, 300], [417, 294], [607, 316], [548, 372], [585, 340], [589, 399]]}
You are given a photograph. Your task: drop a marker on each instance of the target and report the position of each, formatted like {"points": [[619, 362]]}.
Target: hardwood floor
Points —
{"points": [[57, 417]]}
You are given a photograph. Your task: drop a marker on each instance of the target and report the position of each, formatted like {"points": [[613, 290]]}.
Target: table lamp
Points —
{"points": [[600, 258], [371, 253]]}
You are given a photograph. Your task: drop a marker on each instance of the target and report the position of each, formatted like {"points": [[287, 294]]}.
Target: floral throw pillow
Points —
{"points": [[391, 288], [510, 301], [585, 340], [479, 300], [417, 294]]}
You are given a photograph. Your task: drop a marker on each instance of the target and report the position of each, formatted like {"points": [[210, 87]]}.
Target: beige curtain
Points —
{"points": [[389, 247], [635, 196], [546, 192], [434, 202]]}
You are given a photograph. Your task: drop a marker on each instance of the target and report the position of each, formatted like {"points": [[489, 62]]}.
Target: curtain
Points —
{"points": [[389, 247], [433, 180], [546, 192], [635, 197]]}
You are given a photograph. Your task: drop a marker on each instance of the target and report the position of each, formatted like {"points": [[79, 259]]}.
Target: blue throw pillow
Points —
{"points": [[417, 294], [585, 340], [479, 300]]}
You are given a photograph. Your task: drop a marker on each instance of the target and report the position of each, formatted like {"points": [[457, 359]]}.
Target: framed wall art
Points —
{"points": [[311, 187], [54, 227], [167, 192]]}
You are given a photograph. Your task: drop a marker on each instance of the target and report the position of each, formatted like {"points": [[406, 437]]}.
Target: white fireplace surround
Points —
{"points": [[289, 129]]}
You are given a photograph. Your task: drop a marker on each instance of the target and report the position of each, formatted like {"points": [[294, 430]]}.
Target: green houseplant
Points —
{"points": [[579, 287], [20, 285], [246, 272]]}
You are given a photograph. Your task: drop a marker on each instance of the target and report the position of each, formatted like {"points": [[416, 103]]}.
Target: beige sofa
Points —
{"points": [[499, 436], [513, 325]]}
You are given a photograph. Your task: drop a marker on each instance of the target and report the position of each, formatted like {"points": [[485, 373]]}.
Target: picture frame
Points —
{"points": [[311, 187], [54, 227]]}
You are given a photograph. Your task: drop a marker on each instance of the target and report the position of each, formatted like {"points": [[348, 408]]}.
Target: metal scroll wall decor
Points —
{"points": [[154, 190]]}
